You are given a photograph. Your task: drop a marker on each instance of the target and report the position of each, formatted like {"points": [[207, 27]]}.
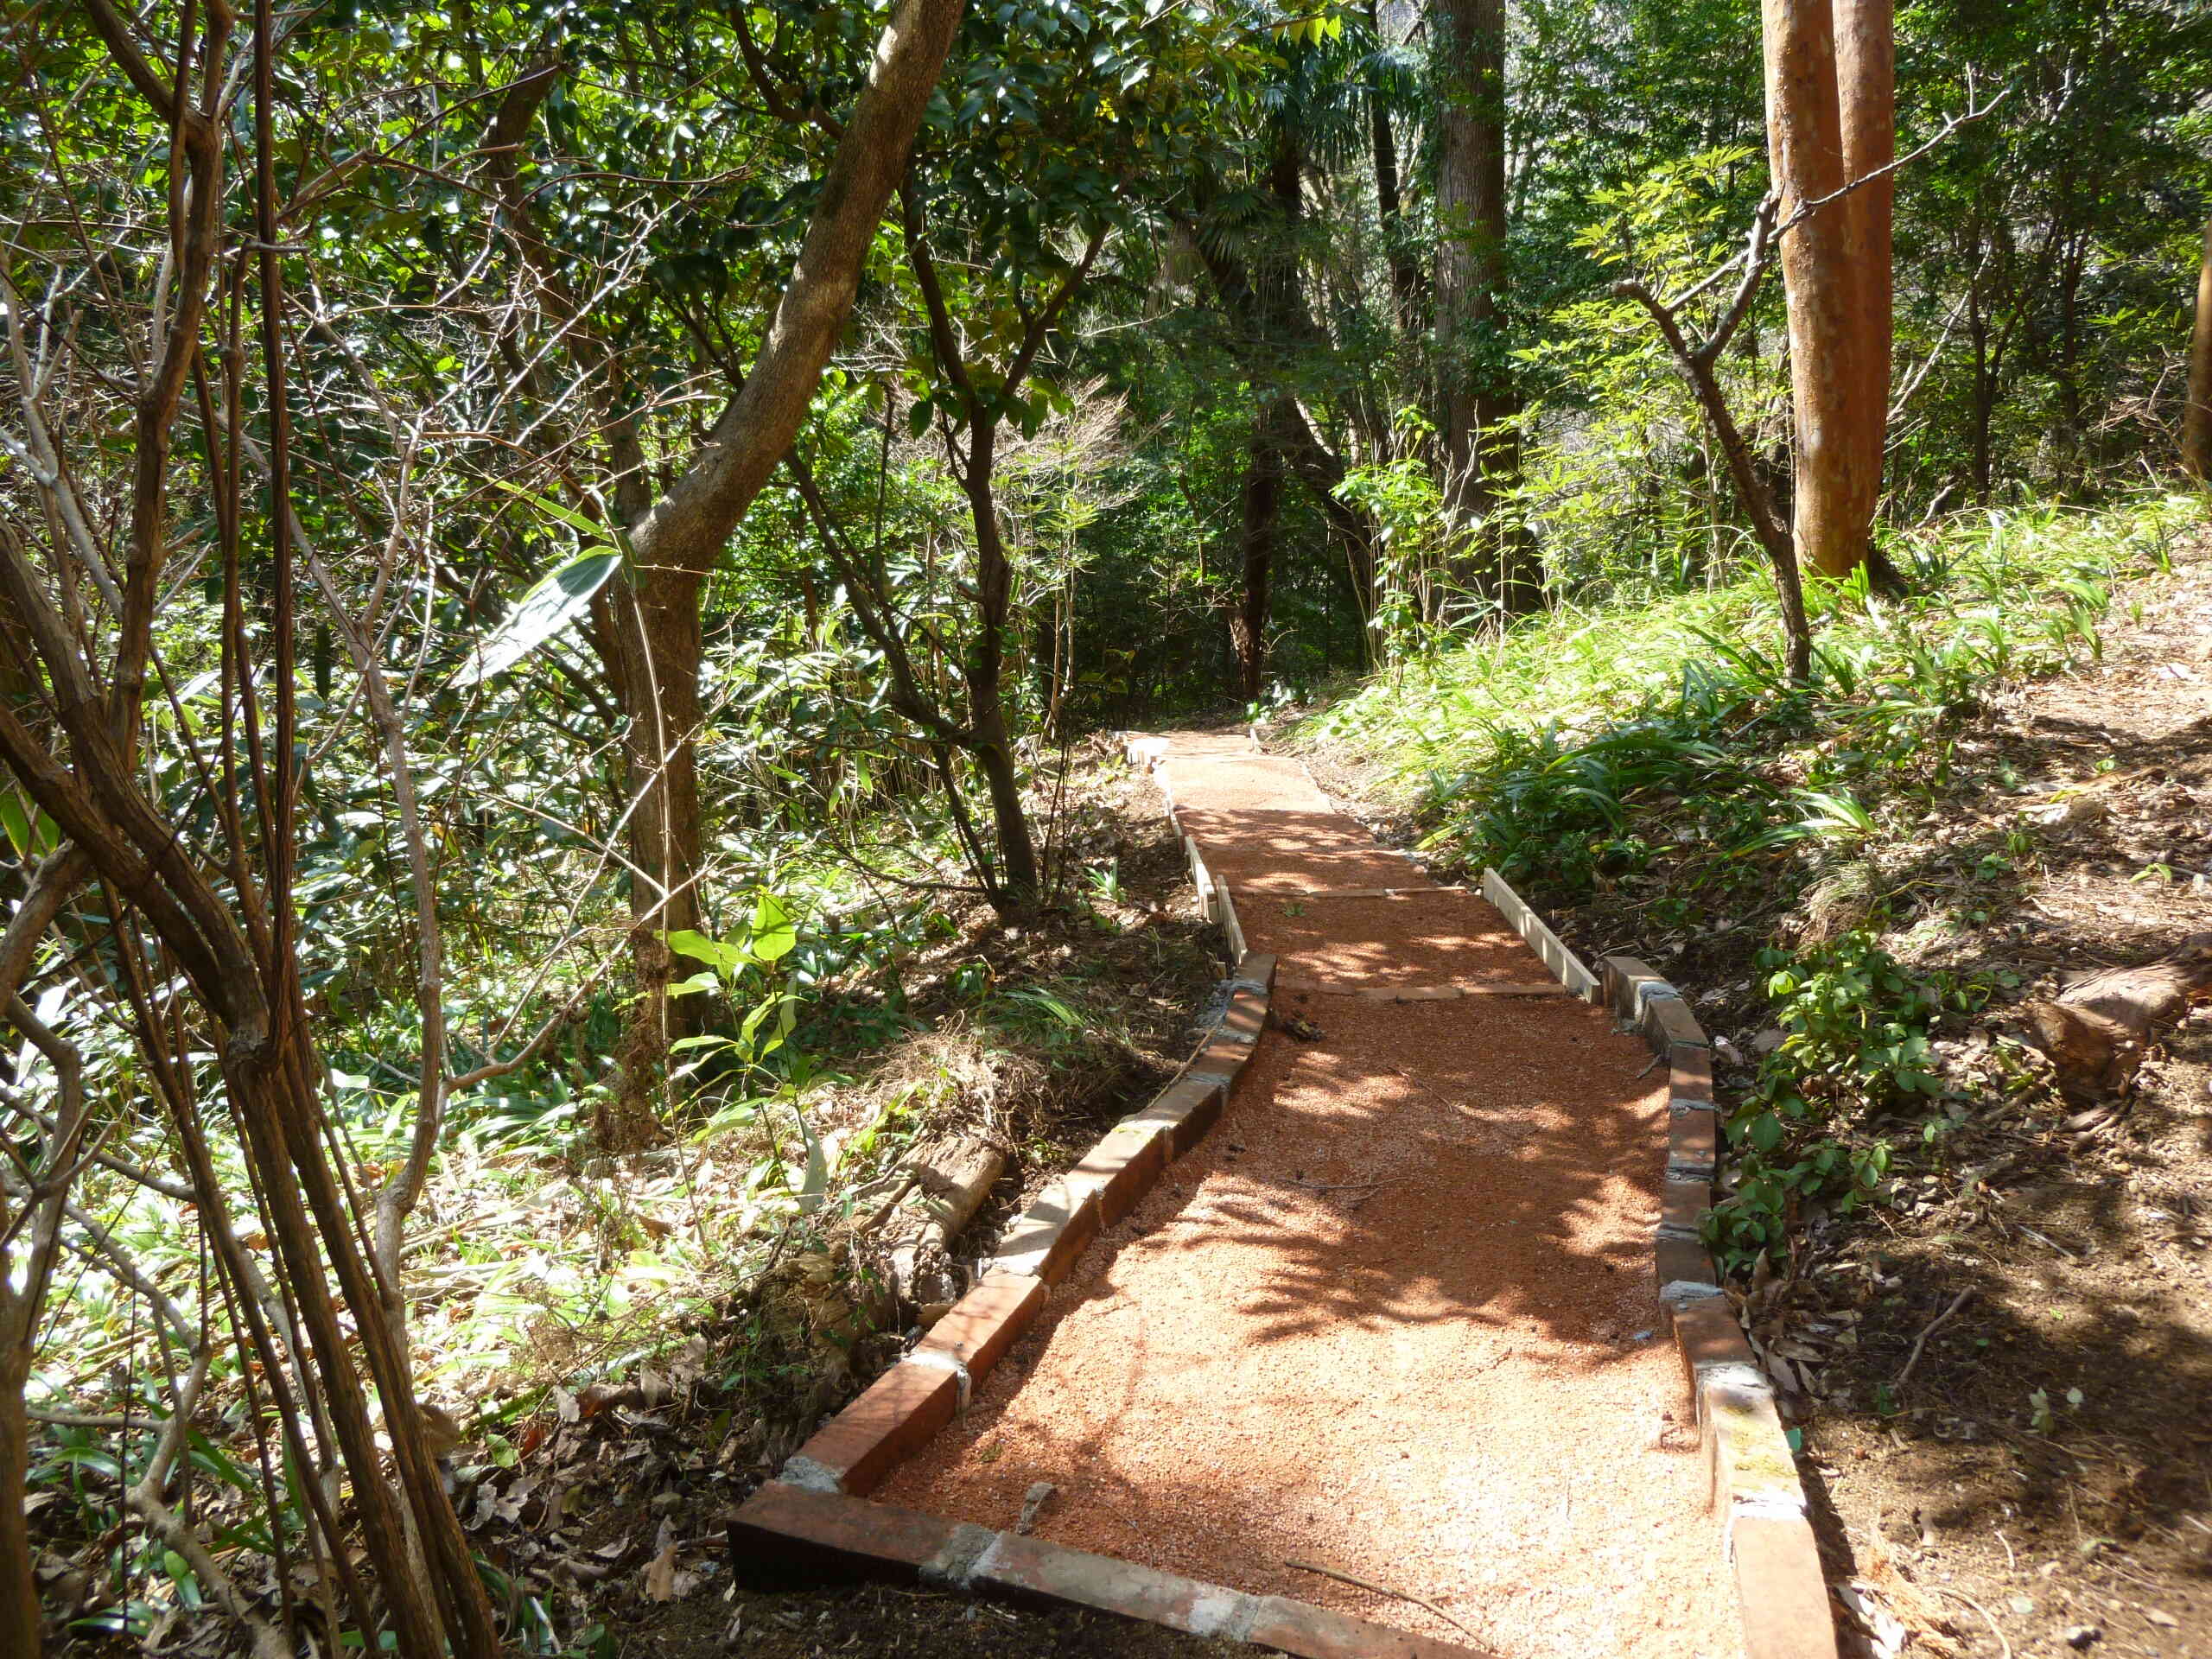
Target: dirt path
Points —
{"points": [[1396, 1316]]}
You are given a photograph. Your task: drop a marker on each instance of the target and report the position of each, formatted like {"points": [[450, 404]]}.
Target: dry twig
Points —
{"points": [[1354, 1579], [1928, 1330], [1994, 1630]]}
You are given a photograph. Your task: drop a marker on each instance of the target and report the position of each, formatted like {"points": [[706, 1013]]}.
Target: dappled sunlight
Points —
{"points": [[1397, 1309]]}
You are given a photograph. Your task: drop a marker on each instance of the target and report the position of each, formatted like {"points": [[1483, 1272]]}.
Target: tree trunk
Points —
{"points": [[1818, 268], [19, 1610], [1482, 460], [1865, 69], [1766, 522], [1695, 365], [1265, 303], [1257, 538], [652, 630], [1020, 883], [652, 651], [1405, 269], [2196, 419]]}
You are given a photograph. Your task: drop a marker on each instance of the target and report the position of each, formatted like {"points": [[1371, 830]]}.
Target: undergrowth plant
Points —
{"points": [[1575, 749], [1856, 1049], [1581, 752], [1855, 1040]]}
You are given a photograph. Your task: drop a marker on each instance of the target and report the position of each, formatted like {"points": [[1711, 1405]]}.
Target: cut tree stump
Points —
{"points": [[2095, 1030]]}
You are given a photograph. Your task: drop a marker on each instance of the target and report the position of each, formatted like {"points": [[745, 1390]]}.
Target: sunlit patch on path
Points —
{"points": [[1396, 1315]]}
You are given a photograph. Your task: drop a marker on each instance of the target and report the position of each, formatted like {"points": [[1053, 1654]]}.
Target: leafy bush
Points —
{"points": [[1854, 1037], [1855, 1044], [1545, 750]]}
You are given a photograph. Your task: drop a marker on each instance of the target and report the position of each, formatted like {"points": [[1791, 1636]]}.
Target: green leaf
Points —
{"points": [[595, 533], [728, 957], [557, 599], [30, 832], [206, 1456], [786, 1008], [16, 824], [773, 932]]}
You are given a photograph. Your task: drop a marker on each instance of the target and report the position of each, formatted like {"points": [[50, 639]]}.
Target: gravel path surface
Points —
{"points": [[1396, 1315]]}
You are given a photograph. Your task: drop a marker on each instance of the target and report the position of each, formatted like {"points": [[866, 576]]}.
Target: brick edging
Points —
{"points": [[816, 1511], [851, 1537], [1767, 1537], [1564, 964], [857, 1449], [1213, 892], [853, 1453], [1781, 1589]]}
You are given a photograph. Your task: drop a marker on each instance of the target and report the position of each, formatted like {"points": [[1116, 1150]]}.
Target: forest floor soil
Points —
{"points": [[1396, 1315], [2002, 1378]]}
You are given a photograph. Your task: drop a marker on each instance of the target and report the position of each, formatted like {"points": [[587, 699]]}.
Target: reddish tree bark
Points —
{"points": [[1839, 343], [2196, 419], [1482, 455], [1866, 71], [1259, 533], [1406, 288]]}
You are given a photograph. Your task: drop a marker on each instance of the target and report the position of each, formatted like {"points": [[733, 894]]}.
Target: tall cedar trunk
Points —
{"points": [[1866, 70], [1820, 265], [1482, 460], [1265, 303], [1405, 269], [1020, 882], [1277, 312], [1257, 537], [2196, 419]]}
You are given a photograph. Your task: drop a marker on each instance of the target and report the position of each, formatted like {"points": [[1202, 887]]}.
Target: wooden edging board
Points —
{"points": [[816, 1515]]}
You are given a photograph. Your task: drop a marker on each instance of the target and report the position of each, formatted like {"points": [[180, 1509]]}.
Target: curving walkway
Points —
{"points": [[1396, 1315]]}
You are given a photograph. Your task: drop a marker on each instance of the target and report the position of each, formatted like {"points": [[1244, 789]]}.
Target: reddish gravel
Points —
{"points": [[1264, 826], [1396, 1315], [1427, 936]]}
